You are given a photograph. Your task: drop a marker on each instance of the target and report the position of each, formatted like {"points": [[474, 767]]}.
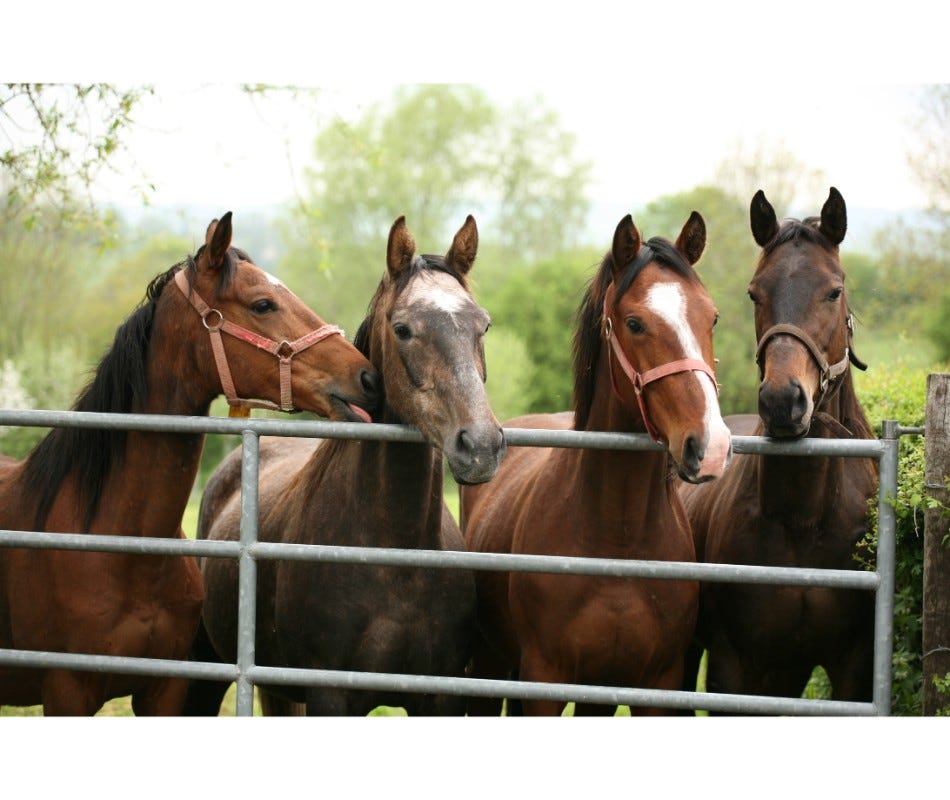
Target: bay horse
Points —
{"points": [[165, 360], [792, 511], [424, 334], [642, 355]]}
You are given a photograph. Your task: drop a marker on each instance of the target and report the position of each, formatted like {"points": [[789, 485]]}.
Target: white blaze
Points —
{"points": [[668, 301]]}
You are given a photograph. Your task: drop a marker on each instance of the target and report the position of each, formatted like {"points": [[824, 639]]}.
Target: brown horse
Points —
{"points": [[793, 511], [424, 334], [163, 361], [642, 351]]}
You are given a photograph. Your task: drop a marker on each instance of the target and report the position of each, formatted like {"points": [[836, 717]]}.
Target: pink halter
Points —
{"points": [[284, 350], [640, 380]]}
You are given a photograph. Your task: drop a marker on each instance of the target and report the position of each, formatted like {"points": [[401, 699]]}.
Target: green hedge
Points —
{"points": [[899, 392]]}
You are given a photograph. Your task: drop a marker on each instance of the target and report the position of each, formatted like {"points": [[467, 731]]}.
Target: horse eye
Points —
{"points": [[263, 307], [716, 320], [834, 294], [635, 326], [402, 331], [487, 326], [752, 297]]}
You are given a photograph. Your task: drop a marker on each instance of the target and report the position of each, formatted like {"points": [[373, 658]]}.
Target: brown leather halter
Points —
{"points": [[827, 372], [640, 380], [284, 350]]}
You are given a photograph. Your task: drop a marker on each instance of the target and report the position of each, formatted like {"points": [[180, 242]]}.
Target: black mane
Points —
{"points": [[587, 333], [120, 384]]}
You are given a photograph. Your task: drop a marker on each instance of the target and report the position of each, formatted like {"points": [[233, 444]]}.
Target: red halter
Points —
{"points": [[640, 380], [284, 350]]}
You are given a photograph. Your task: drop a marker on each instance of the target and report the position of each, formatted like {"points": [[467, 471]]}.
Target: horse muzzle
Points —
{"points": [[785, 410], [475, 452]]}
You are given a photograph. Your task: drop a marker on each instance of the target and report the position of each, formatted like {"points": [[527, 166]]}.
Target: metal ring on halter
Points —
{"points": [[204, 320]]}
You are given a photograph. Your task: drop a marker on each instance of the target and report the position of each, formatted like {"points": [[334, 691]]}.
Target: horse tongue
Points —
{"points": [[361, 413]]}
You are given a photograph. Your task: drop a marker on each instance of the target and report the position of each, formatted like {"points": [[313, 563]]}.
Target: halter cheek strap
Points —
{"points": [[639, 380], [215, 324], [826, 372]]}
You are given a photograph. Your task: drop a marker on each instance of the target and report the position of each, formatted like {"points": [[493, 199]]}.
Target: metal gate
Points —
{"points": [[248, 551]]}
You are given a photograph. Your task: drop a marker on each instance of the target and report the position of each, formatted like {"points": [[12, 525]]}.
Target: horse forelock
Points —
{"points": [[798, 230], [587, 333]]}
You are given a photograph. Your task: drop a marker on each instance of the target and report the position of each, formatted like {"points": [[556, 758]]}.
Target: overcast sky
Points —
{"points": [[655, 98]]}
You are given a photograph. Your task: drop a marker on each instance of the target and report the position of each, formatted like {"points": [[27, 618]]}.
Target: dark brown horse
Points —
{"points": [[163, 361], [642, 356], [792, 511], [424, 334]]}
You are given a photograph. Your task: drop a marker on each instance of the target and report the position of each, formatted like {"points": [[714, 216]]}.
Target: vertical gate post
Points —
{"points": [[247, 574], [886, 550], [936, 616]]}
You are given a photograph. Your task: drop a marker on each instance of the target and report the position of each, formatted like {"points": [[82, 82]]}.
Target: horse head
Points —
{"points": [[277, 350], [658, 322], [802, 321], [426, 337]]}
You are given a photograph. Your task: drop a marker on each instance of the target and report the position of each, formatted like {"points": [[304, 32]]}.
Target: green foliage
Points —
{"points": [[899, 393], [510, 371], [435, 153], [55, 138], [537, 304], [943, 687]]}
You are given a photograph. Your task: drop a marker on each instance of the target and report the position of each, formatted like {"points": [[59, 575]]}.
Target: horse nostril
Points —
{"points": [[798, 404], [465, 442], [369, 381], [693, 453]]}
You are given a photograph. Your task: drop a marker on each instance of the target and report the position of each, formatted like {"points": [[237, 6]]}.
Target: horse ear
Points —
{"points": [[762, 217], [626, 244], [464, 246], [401, 248], [834, 217], [218, 241], [692, 239]]}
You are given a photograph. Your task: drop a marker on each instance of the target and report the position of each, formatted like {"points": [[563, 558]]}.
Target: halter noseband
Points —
{"points": [[284, 351], [826, 372], [639, 380]]}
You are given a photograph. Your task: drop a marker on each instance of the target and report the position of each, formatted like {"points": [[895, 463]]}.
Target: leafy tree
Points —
{"points": [[54, 141], [537, 304], [434, 153]]}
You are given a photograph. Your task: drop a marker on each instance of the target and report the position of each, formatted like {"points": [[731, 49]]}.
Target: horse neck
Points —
{"points": [[630, 490], [805, 489], [159, 469], [402, 504]]}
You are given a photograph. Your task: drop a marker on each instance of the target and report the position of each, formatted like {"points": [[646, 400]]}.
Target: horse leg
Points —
{"points": [[273, 705], [73, 694], [594, 710], [163, 697], [486, 663], [325, 701], [852, 673], [204, 696], [537, 670]]}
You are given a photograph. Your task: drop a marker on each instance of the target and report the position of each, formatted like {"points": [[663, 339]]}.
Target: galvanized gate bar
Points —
{"points": [[442, 559], [527, 690], [248, 550]]}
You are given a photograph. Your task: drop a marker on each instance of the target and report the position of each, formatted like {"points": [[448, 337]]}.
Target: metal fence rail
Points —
{"points": [[248, 550]]}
